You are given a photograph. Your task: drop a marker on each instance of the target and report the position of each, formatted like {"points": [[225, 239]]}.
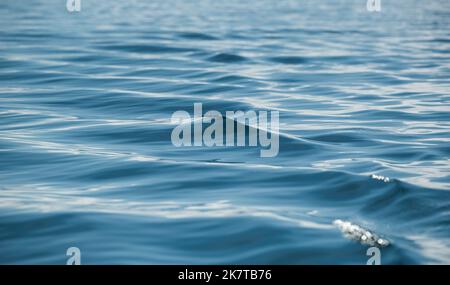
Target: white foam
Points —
{"points": [[380, 177], [364, 236]]}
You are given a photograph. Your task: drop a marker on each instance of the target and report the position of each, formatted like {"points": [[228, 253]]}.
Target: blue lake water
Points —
{"points": [[86, 158]]}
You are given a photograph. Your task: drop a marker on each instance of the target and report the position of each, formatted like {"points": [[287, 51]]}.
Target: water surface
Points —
{"points": [[86, 158]]}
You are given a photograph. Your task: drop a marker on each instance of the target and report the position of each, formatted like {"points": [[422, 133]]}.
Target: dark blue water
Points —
{"points": [[86, 158]]}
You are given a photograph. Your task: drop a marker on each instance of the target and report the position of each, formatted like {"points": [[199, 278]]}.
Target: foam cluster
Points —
{"points": [[364, 236]]}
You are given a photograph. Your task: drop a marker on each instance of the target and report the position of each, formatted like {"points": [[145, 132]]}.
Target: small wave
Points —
{"points": [[289, 59], [227, 58], [198, 36], [146, 48]]}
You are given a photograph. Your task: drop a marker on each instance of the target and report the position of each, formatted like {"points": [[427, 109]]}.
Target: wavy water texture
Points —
{"points": [[86, 158]]}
